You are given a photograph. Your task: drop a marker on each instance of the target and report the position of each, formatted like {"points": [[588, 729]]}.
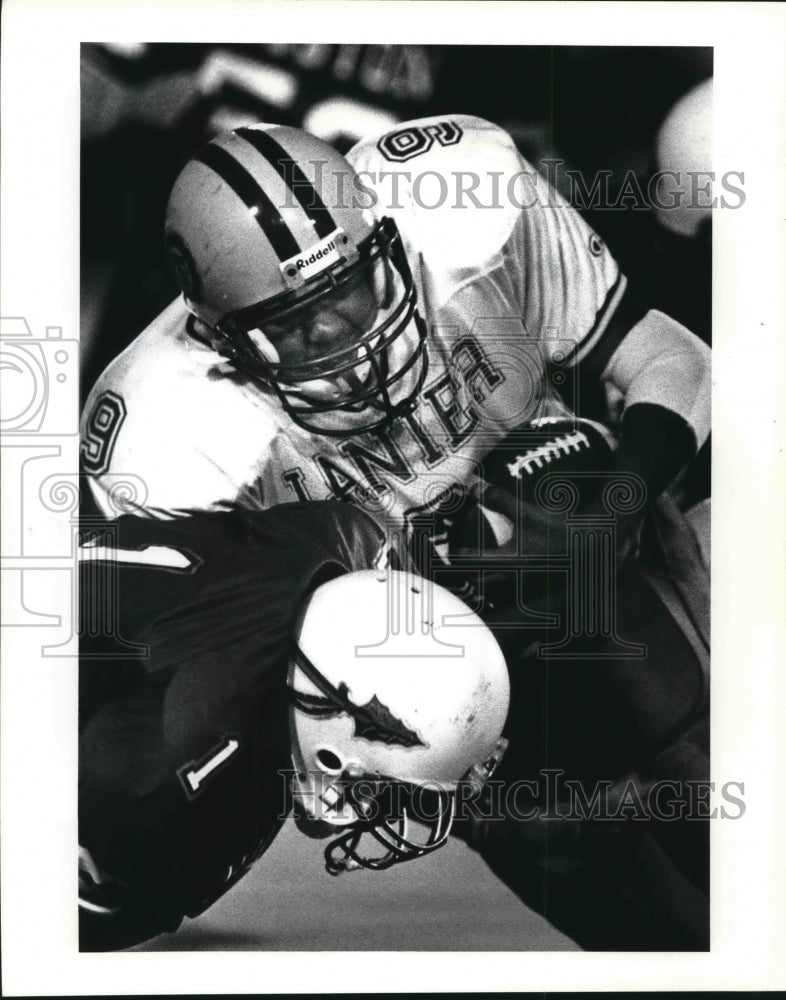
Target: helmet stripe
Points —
{"points": [[294, 178], [246, 188]]}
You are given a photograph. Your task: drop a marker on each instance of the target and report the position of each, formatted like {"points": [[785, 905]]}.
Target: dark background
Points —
{"points": [[147, 108]]}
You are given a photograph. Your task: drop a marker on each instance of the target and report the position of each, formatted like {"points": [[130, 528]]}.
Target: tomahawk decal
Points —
{"points": [[373, 721]]}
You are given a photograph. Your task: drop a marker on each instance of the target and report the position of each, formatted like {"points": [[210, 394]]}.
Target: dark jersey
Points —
{"points": [[184, 742]]}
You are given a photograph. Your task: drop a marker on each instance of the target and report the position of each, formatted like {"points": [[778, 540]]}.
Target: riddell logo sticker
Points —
{"points": [[305, 265]]}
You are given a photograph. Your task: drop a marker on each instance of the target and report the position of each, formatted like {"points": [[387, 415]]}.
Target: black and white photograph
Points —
{"points": [[358, 501], [320, 290]]}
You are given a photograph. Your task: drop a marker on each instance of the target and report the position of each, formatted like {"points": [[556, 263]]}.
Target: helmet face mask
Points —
{"points": [[347, 853], [271, 252], [367, 811], [378, 372], [383, 741]]}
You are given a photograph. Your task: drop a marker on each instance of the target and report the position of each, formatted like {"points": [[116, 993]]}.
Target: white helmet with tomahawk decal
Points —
{"points": [[397, 689]]}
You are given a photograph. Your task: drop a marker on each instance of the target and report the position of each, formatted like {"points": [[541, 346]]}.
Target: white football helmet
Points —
{"points": [[267, 237], [683, 150], [399, 694]]}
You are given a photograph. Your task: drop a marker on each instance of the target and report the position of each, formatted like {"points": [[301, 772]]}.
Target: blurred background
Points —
{"points": [[146, 108]]}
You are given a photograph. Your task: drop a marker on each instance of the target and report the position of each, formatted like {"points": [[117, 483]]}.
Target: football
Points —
{"points": [[537, 463]]}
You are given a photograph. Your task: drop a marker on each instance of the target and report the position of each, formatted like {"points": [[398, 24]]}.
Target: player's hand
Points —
{"points": [[533, 530], [538, 532]]}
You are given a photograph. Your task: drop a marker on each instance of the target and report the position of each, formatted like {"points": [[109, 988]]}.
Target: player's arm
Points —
{"points": [[136, 460], [592, 323], [154, 442], [663, 374], [575, 294], [170, 819], [129, 826], [358, 541]]}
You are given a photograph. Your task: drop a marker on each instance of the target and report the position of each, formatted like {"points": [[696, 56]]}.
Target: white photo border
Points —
{"points": [[40, 282]]}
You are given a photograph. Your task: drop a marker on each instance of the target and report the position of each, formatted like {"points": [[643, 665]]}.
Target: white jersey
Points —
{"points": [[509, 278]]}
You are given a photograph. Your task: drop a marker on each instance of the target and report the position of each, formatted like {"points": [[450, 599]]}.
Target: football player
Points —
{"points": [[373, 329], [624, 871], [367, 329], [208, 693], [197, 709], [184, 734]]}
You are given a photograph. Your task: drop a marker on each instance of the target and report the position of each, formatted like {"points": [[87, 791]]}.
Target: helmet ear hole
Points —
{"points": [[328, 761]]}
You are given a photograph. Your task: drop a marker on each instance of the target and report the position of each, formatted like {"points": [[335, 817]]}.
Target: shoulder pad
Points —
{"points": [[445, 180]]}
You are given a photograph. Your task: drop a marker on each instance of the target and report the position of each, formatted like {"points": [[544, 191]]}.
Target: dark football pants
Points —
{"points": [[642, 883]]}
